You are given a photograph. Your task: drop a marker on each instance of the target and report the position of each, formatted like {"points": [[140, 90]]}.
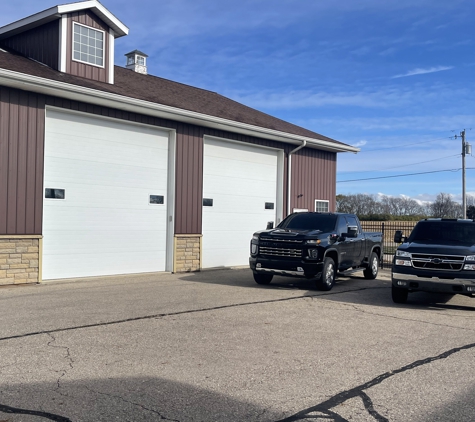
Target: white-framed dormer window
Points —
{"points": [[141, 61], [88, 45], [321, 205]]}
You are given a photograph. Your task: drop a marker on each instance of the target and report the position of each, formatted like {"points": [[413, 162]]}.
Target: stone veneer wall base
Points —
{"points": [[20, 259], [187, 253]]}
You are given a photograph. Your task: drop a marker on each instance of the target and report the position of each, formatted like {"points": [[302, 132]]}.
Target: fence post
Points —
{"points": [[382, 245]]}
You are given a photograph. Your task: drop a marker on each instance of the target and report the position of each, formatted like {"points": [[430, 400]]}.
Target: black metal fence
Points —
{"points": [[388, 228]]}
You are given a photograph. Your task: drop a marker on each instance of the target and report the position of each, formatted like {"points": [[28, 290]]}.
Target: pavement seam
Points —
{"points": [[192, 311]]}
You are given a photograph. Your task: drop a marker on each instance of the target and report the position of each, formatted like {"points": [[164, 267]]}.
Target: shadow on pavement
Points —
{"points": [[353, 289], [124, 399]]}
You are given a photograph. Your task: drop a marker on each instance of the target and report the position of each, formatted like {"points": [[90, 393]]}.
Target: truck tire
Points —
{"points": [[399, 295], [327, 279], [371, 272], [262, 278]]}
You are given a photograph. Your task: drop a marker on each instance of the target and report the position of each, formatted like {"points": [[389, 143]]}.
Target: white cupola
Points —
{"points": [[137, 61]]}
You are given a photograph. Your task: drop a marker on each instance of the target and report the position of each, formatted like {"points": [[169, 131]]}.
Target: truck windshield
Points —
{"points": [[447, 231], [309, 221]]}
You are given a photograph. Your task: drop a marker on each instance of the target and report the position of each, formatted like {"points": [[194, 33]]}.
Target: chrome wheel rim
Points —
{"points": [[374, 266], [329, 275]]}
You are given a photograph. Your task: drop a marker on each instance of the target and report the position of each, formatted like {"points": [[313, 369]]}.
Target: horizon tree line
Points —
{"points": [[372, 207]]}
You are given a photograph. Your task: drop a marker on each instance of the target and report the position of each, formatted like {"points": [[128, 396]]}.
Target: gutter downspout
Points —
{"points": [[289, 177]]}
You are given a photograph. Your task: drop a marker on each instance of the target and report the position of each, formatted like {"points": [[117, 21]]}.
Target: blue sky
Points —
{"points": [[393, 77]]}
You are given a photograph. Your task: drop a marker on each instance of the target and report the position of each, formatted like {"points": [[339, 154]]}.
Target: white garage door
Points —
{"points": [[105, 197], [239, 198]]}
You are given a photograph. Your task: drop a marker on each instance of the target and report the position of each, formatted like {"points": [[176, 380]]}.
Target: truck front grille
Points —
{"points": [[438, 262], [285, 252]]}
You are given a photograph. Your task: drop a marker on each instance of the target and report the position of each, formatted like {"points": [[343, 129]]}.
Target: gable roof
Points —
{"points": [[152, 95], [55, 12]]}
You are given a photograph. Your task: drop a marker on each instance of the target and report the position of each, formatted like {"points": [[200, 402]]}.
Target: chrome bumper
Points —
{"points": [[282, 272], [411, 277]]}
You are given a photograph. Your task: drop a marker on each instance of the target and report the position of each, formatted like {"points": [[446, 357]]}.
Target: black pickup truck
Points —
{"points": [[438, 256], [315, 245]]}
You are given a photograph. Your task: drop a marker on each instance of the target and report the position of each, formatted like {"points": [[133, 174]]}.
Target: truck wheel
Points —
{"points": [[262, 278], [399, 295], [327, 279], [371, 272]]}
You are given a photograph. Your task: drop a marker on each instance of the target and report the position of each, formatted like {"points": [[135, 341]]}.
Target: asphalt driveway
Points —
{"points": [[215, 346]]}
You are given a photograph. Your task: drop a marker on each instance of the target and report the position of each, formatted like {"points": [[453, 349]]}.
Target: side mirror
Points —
{"points": [[399, 237], [270, 225], [352, 231]]}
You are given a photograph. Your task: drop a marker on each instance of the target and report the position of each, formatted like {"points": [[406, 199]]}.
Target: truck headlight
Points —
{"points": [[255, 237], [313, 242], [403, 262], [469, 267], [313, 253], [253, 249], [470, 258], [403, 254]]}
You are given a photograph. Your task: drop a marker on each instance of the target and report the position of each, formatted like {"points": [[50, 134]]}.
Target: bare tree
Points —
{"points": [[359, 204], [445, 207]]}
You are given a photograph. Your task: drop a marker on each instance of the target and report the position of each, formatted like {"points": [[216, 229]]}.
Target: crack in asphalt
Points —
{"points": [[326, 406], [192, 311], [356, 308], [134, 404], [61, 372]]}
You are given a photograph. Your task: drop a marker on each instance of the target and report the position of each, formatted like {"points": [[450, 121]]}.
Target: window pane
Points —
{"points": [[89, 44]]}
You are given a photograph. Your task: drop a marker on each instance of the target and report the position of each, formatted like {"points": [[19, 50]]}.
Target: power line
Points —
{"points": [[405, 145], [403, 175], [407, 165]]}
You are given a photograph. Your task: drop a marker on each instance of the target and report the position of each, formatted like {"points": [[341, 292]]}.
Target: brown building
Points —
{"points": [[109, 170]]}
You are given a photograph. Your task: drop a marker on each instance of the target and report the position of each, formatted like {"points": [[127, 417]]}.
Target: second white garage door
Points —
{"points": [[105, 205], [239, 197]]}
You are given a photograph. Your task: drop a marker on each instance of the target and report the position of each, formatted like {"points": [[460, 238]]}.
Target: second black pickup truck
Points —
{"points": [[315, 245], [438, 256]]}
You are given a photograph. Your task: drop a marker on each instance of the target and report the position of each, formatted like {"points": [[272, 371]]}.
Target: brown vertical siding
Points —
{"points": [[313, 177], [189, 179], [84, 70], [40, 44], [21, 161]]}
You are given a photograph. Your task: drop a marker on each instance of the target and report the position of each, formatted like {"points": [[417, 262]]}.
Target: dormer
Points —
{"points": [[137, 61], [76, 38]]}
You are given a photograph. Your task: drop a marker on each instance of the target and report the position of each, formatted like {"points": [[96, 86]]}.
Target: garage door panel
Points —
{"points": [[105, 196], [105, 224], [94, 243], [241, 152], [107, 178], [240, 179], [97, 265], [91, 219], [246, 170], [248, 223], [241, 193]]}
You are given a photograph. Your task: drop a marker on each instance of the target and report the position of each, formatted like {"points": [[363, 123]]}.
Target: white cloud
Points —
{"points": [[420, 71], [360, 143]]}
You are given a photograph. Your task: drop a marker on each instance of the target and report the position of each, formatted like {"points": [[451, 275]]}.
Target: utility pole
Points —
{"points": [[464, 151]]}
